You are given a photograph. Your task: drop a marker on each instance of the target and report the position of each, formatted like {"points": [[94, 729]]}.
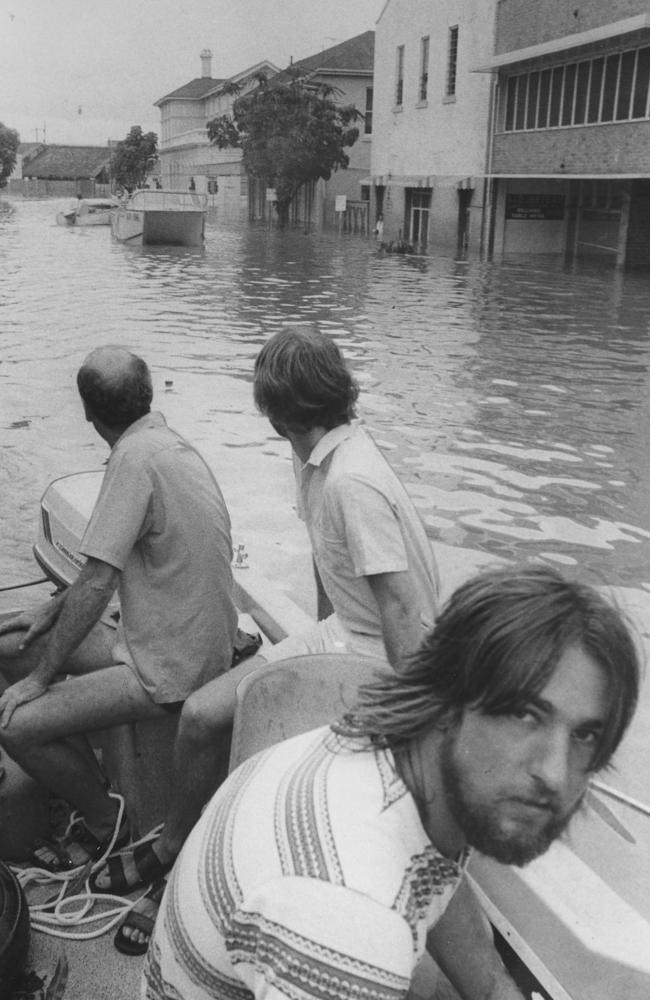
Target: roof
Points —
{"points": [[357, 55], [69, 162], [27, 148], [195, 90]]}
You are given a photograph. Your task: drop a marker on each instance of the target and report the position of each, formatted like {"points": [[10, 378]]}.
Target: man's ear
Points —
{"points": [[450, 719]]}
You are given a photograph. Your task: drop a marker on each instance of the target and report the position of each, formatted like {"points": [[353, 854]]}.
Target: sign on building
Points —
{"points": [[535, 206], [341, 203]]}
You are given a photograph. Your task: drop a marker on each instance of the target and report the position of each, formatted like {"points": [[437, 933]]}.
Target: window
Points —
{"points": [[611, 88], [367, 128], [399, 77], [452, 61], [424, 69]]}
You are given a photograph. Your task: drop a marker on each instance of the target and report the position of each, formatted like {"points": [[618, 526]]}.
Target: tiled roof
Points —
{"points": [[192, 91], [356, 55], [69, 162]]}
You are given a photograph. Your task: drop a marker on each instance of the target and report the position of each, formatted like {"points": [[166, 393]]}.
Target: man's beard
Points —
{"points": [[480, 821]]}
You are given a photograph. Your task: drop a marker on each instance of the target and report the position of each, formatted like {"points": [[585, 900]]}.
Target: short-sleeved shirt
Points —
{"points": [[309, 875], [361, 522], [160, 518]]}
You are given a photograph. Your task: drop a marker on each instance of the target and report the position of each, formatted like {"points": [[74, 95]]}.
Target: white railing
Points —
{"points": [[154, 200]]}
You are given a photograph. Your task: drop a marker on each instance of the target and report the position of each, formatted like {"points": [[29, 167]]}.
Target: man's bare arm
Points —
{"points": [[400, 615], [79, 610]]}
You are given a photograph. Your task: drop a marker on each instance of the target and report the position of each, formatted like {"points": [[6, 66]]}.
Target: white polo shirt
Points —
{"points": [[361, 522]]}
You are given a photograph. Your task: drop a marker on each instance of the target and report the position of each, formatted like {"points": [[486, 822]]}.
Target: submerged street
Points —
{"points": [[511, 397]]}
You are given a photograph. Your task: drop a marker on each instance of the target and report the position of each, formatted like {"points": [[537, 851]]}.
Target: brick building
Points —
{"points": [[569, 159]]}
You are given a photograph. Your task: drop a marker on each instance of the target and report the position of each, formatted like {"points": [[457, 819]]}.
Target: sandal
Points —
{"points": [[140, 918], [148, 866], [56, 856]]}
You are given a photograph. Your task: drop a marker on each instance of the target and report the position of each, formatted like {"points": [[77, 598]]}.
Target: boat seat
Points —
{"points": [[292, 696]]}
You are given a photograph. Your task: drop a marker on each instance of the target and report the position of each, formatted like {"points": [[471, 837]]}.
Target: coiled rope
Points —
{"points": [[69, 914]]}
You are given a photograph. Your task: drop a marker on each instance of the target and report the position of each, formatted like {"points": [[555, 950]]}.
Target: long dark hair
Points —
{"points": [[495, 645], [301, 381]]}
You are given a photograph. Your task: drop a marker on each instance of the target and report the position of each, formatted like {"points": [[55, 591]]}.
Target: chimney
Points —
{"points": [[206, 63]]}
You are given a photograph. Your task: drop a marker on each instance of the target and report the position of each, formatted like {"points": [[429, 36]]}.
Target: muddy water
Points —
{"points": [[513, 399]]}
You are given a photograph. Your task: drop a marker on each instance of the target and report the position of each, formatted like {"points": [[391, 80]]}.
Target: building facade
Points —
{"points": [[431, 123], [569, 158], [188, 160], [348, 69]]}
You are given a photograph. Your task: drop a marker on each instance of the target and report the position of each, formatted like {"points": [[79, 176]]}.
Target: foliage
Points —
{"points": [[291, 131], [133, 158], [9, 141]]}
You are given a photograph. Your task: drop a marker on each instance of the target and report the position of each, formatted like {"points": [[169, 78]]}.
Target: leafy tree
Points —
{"points": [[291, 131], [133, 158], [9, 140]]}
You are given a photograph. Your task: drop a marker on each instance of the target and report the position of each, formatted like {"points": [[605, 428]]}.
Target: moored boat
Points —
{"points": [[88, 212], [174, 218]]}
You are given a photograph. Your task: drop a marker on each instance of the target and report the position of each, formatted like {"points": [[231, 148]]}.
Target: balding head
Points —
{"points": [[115, 386]]}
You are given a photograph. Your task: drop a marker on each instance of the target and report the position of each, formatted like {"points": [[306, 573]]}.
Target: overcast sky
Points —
{"points": [[85, 71]]}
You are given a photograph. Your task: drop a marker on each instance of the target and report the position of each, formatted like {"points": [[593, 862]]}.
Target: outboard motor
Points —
{"points": [[14, 930]]}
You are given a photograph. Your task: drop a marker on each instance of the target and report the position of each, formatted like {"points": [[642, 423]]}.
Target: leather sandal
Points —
{"points": [[148, 866], [62, 856], [142, 918]]}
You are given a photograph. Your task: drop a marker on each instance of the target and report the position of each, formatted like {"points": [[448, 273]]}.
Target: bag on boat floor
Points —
{"points": [[14, 930], [245, 645]]}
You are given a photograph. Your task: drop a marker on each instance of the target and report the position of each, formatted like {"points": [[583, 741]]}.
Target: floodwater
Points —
{"points": [[512, 398]]}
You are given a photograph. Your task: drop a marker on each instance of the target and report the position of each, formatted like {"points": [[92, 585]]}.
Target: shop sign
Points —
{"points": [[535, 206]]}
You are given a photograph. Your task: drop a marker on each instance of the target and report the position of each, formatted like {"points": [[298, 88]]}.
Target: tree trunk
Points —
{"points": [[282, 208]]}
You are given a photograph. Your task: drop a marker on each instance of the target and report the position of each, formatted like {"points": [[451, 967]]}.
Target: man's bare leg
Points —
{"points": [[37, 736], [201, 740]]}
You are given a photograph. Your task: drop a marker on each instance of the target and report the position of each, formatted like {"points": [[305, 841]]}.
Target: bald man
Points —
{"points": [[160, 535]]}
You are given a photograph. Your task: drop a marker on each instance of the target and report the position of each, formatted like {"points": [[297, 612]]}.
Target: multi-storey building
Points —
{"points": [[570, 155], [188, 160], [431, 119]]}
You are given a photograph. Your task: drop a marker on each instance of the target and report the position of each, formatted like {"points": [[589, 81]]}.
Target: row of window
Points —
{"points": [[423, 79], [605, 89]]}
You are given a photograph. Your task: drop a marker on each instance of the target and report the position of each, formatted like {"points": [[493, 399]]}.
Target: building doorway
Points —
{"points": [[418, 209], [464, 202]]}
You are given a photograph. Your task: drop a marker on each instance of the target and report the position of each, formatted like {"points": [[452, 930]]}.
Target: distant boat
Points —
{"points": [[88, 212], [156, 216]]}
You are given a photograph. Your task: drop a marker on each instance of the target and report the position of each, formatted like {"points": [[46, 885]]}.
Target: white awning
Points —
{"points": [[567, 42], [565, 176]]}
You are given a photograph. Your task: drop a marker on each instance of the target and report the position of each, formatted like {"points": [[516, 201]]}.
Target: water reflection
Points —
{"points": [[512, 398]]}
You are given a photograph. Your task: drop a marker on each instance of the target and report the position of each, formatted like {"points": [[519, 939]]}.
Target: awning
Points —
{"points": [[567, 42], [421, 181], [569, 177]]}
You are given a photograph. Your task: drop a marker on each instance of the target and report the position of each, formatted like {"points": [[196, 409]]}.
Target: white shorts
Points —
{"points": [[327, 636]]}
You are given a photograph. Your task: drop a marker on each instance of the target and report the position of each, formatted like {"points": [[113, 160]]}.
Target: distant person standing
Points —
{"points": [[379, 227], [192, 184]]}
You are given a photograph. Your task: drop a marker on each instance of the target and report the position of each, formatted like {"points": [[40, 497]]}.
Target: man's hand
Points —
{"points": [[27, 689], [32, 623]]}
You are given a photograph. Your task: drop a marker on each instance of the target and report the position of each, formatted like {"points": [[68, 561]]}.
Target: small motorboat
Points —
{"points": [[572, 925], [157, 216], [88, 212]]}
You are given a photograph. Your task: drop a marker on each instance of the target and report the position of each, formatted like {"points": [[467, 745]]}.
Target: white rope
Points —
{"points": [[70, 916]]}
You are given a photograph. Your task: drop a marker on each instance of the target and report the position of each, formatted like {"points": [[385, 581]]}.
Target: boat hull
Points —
{"points": [[163, 218]]}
